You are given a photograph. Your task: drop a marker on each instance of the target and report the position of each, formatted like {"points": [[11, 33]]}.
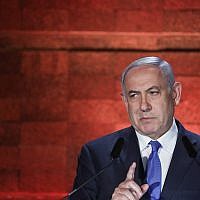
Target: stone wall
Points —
{"points": [[60, 66]]}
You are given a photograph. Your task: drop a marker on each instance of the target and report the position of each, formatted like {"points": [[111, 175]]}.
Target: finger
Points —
{"points": [[132, 187], [131, 172], [123, 193], [144, 188], [140, 190], [136, 190], [135, 194]]}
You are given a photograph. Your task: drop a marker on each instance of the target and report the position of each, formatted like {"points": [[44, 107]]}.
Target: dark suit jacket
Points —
{"points": [[182, 181]]}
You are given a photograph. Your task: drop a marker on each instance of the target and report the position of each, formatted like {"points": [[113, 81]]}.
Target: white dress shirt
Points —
{"points": [[165, 152]]}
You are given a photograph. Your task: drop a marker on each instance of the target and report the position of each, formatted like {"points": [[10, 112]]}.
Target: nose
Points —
{"points": [[145, 106]]}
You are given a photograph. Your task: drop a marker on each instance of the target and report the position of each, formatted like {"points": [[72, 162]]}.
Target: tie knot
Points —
{"points": [[155, 145]]}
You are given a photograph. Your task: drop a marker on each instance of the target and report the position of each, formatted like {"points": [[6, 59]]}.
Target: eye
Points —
{"points": [[133, 95], [154, 92]]}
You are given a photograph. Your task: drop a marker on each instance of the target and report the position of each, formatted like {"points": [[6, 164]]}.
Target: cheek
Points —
{"points": [[133, 111], [133, 108], [163, 108]]}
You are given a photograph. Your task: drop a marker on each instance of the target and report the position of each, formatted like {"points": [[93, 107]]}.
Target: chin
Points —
{"points": [[149, 131]]}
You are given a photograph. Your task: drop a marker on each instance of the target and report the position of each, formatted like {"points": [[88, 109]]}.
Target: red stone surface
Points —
{"points": [[48, 19], [95, 63], [44, 133], [103, 111], [11, 85], [182, 5], [43, 168], [91, 20], [115, 5], [140, 21], [10, 15], [36, 63], [31, 196], [187, 110], [60, 67], [10, 62], [10, 134], [44, 108], [181, 21], [9, 180], [9, 157], [10, 109], [94, 40], [92, 87]]}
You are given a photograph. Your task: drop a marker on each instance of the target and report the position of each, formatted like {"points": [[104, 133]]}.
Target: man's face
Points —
{"points": [[149, 101]]}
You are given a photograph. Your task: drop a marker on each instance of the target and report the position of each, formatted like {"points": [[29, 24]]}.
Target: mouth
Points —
{"points": [[146, 118]]}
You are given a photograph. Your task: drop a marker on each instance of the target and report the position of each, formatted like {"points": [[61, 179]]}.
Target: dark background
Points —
{"points": [[60, 63]]}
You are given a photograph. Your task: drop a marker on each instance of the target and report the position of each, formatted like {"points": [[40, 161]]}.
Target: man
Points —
{"points": [[159, 158]]}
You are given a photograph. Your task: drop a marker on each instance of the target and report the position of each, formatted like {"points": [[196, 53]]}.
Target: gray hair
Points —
{"points": [[163, 65]]}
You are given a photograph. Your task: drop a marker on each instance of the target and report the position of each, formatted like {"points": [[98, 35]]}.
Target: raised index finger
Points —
{"points": [[131, 172]]}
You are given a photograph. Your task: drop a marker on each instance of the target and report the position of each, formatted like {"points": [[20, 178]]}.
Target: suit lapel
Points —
{"points": [[131, 154], [182, 159]]}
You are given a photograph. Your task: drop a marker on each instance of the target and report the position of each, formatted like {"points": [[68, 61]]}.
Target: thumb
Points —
{"points": [[144, 188], [131, 172]]}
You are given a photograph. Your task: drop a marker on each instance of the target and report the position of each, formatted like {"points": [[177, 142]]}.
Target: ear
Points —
{"points": [[176, 93]]}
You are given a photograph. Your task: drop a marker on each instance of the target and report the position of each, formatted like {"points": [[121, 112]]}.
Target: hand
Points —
{"points": [[129, 189]]}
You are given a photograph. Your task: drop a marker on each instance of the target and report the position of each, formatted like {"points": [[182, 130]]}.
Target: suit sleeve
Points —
{"points": [[85, 170]]}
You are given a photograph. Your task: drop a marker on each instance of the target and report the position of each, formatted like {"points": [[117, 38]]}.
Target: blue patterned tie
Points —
{"points": [[154, 172]]}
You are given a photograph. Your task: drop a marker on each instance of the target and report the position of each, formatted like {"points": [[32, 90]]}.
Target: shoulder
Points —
{"points": [[111, 138], [193, 138], [184, 131], [102, 147]]}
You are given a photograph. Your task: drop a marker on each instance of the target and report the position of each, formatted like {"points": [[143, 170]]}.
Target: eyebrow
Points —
{"points": [[153, 87], [133, 91], [149, 89]]}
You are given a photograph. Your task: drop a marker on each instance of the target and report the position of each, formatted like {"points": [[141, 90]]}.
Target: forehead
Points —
{"points": [[145, 76]]}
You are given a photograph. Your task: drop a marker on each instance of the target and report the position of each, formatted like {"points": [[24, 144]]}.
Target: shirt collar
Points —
{"points": [[167, 140]]}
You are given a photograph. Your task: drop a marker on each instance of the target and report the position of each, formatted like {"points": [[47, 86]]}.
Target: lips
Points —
{"points": [[147, 118]]}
